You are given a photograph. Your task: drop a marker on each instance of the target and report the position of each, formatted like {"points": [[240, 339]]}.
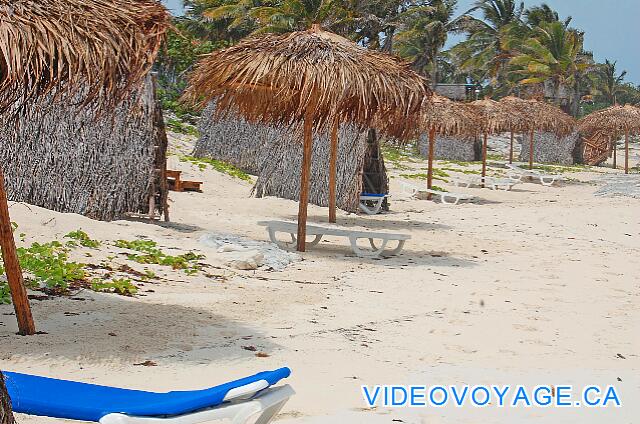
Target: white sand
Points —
{"points": [[538, 285]]}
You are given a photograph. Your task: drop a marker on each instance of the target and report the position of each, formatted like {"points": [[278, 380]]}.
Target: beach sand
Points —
{"points": [[539, 285]]}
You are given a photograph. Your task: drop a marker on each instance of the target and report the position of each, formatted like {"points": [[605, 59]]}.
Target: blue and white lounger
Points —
{"points": [[238, 401]]}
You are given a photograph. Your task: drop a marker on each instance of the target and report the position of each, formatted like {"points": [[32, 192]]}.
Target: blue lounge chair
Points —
{"points": [[238, 401]]}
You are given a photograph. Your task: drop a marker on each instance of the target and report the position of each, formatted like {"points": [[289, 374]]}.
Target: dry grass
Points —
{"points": [[276, 78], [100, 48]]}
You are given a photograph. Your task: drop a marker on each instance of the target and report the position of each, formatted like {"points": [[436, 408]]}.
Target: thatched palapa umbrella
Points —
{"points": [[316, 77], [446, 117], [495, 118], [614, 120], [537, 116], [93, 50]]}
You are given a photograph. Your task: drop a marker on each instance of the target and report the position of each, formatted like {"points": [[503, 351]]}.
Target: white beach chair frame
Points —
{"points": [[505, 184], [241, 405], [456, 198], [379, 200], [517, 173], [291, 228]]}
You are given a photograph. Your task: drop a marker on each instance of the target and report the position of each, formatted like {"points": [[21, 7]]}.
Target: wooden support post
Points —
{"points": [[333, 160], [432, 144], [26, 327], [626, 151], [484, 158], [531, 150], [615, 152], [305, 177], [511, 149]]}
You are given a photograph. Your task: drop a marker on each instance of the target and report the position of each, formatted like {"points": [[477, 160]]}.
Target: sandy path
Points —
{"points": [[539, 284]]}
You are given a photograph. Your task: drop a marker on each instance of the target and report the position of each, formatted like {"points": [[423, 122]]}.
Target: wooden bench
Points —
{"points": [[176, 183], [456, 198], [274, 227], [376, 199]]}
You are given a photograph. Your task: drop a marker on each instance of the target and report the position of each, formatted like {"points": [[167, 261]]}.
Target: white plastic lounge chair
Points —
{"points": [[291, 228], [237, 401], [491, 182], [517, 173], [377, 199], [446, 197]]}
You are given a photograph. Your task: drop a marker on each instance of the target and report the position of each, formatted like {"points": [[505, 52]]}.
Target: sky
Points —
{"points": [[612, 27]]}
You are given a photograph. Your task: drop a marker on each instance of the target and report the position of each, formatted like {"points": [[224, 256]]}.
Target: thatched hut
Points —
{"points": [[274, 154], [614, 120], [102, 167], [94, 49], [317, 79]]}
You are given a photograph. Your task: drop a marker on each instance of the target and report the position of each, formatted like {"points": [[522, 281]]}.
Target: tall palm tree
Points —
{"points": [[424, 34], [536, 15], [610, 83], [487, 46], [555, 54]]}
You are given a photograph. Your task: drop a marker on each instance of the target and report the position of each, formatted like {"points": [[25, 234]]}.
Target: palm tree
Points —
{"points": [[488, 45], [284, 16], [610, 84], [554, 53], [536, 15], [424, 34]]}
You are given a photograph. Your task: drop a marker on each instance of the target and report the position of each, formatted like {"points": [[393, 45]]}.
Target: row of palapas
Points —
{"points": [[312, 76]]}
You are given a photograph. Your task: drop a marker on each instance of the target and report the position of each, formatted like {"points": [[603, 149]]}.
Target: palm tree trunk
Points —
{"points": [[6, 415]]}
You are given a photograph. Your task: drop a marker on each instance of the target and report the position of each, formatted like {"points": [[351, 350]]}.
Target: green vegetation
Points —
{"points": [[437, 175], [5, 295], [150, 254], [560, 169], [49, 264], [122, 286], [83, 238], [217, 165], [436, 188], [177, 126], [462, 171]]}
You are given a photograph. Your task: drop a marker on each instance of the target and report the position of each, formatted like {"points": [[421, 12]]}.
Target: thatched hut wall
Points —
{"points": [[275, 155], [459, 148], [64, 157], [549, 148]]}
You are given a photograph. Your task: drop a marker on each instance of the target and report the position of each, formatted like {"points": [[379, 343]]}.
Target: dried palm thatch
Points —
{"points": [[274, 154], [102, 168], [314, 77], [540, 116], [495, 117], [101, 48], [278, 78], [446, 117], [614, 120]]}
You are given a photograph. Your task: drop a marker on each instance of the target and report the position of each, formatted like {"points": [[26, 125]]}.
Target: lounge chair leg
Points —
{"points": [[363, 253], [315, 241], [397, 250]]}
